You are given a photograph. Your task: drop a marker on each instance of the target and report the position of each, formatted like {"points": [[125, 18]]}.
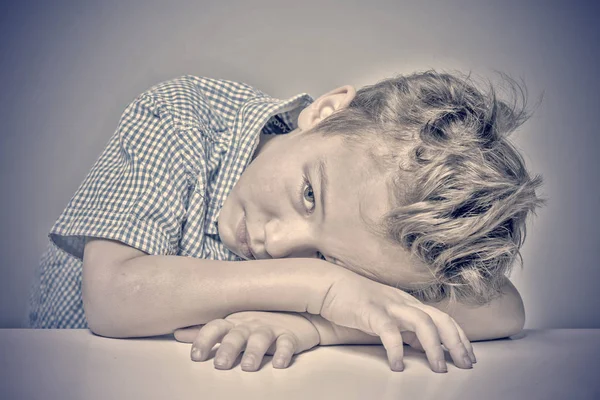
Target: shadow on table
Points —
{"points": [[377, 352], [369, 351], [161, 338], [521, 335], [411, 354]]}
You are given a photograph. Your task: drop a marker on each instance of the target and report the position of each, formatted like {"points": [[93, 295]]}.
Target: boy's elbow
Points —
{"points": [[107, 312], [511, 312], [102, 286], [502, 317], [99, 312], [516, 316], [97, 321]]}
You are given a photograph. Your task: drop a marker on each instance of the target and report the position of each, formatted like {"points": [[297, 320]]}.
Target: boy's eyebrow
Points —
{"points": [[323, 183]]}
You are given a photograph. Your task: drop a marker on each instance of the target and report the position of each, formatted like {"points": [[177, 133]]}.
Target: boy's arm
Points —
{"points": [[501, 317], [127, 293]]}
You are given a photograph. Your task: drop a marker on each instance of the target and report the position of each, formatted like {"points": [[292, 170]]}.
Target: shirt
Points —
{"points": [[160, 183]]}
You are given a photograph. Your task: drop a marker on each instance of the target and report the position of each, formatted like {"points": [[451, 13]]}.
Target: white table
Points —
{"points": [[75, 364]]}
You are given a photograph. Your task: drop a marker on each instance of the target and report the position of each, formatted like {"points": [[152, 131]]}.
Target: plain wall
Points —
{"points": [[69, 70]]}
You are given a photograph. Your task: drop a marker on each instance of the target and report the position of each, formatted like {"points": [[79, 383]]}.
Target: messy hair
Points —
{"points": [[462, 191]]}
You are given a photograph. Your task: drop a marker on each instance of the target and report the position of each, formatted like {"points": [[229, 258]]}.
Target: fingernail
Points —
{"points": [[196, 354], [473, 359], [279, 363], [467, 362], [221, 361], [248, 361], [398, 366], [442, 367]]}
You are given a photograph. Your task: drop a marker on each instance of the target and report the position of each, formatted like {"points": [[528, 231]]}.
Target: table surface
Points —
{"points": [[75, 364]]}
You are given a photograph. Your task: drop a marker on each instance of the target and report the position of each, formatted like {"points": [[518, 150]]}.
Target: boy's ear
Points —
{"points": [[325, 105]]}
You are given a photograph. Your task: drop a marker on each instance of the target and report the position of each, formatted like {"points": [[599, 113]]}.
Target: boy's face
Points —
{"points": [[305, 196]]}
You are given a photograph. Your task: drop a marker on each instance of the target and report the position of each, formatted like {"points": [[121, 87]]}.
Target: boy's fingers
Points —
{"points": [[231, 346], [466, 342], [209, 335], [285, 348], [449, 336], [396, 355], [427, 332], [258, 343], [391, 338], [411, 339], [451, 339]]}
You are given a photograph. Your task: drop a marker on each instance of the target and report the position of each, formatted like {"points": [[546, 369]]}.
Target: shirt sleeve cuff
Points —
{"points": [[69, 232]]}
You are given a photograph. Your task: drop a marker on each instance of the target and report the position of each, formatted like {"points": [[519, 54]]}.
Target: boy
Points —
{"points": [[341, 207]]}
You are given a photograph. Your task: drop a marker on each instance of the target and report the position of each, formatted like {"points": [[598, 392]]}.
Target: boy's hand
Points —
{"points": [[359, 303], [256, 333], [333, 334]]}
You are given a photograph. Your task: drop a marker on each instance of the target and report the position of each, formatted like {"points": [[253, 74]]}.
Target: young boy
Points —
{"points": [[344, 209]]}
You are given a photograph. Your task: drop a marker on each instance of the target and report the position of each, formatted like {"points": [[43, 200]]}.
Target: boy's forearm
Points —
{"points": [[154, 295]]}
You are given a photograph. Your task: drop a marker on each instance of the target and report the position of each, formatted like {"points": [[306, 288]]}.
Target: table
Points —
{"points": [[76, 364]]}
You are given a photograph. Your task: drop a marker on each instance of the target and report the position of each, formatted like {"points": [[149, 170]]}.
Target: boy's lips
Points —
{"points": [[243, 239]]}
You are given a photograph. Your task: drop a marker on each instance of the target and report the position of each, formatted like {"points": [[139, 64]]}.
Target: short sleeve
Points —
{"points": [[137, 191]]}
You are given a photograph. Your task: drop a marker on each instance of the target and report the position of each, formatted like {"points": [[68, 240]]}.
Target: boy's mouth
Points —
{"points": [[243, 240]]}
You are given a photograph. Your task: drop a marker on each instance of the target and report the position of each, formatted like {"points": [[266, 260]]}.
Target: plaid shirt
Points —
{"points": [[159, 185]]}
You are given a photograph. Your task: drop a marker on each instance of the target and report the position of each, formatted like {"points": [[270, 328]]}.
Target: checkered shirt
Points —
{"points": [[159, 185]]}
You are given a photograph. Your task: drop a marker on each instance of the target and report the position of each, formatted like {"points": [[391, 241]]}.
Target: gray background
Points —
{"points": [[69, 70]]}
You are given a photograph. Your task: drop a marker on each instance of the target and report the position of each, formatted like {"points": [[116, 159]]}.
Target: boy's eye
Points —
{"points": [[321, 256], [307, 195]]}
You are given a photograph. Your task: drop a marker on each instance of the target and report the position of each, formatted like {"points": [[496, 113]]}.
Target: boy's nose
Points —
{"points": [[288, 240]]}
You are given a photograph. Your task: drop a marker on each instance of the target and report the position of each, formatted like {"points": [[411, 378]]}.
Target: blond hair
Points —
{"points": [[462, 190]]}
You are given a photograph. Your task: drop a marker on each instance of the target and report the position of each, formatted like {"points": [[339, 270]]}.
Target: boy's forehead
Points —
{"points": [[356, 182], [373, 158], [351, 154]]}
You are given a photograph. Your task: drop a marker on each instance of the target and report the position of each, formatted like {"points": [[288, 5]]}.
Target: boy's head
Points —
{"points": [[410, 182]]}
